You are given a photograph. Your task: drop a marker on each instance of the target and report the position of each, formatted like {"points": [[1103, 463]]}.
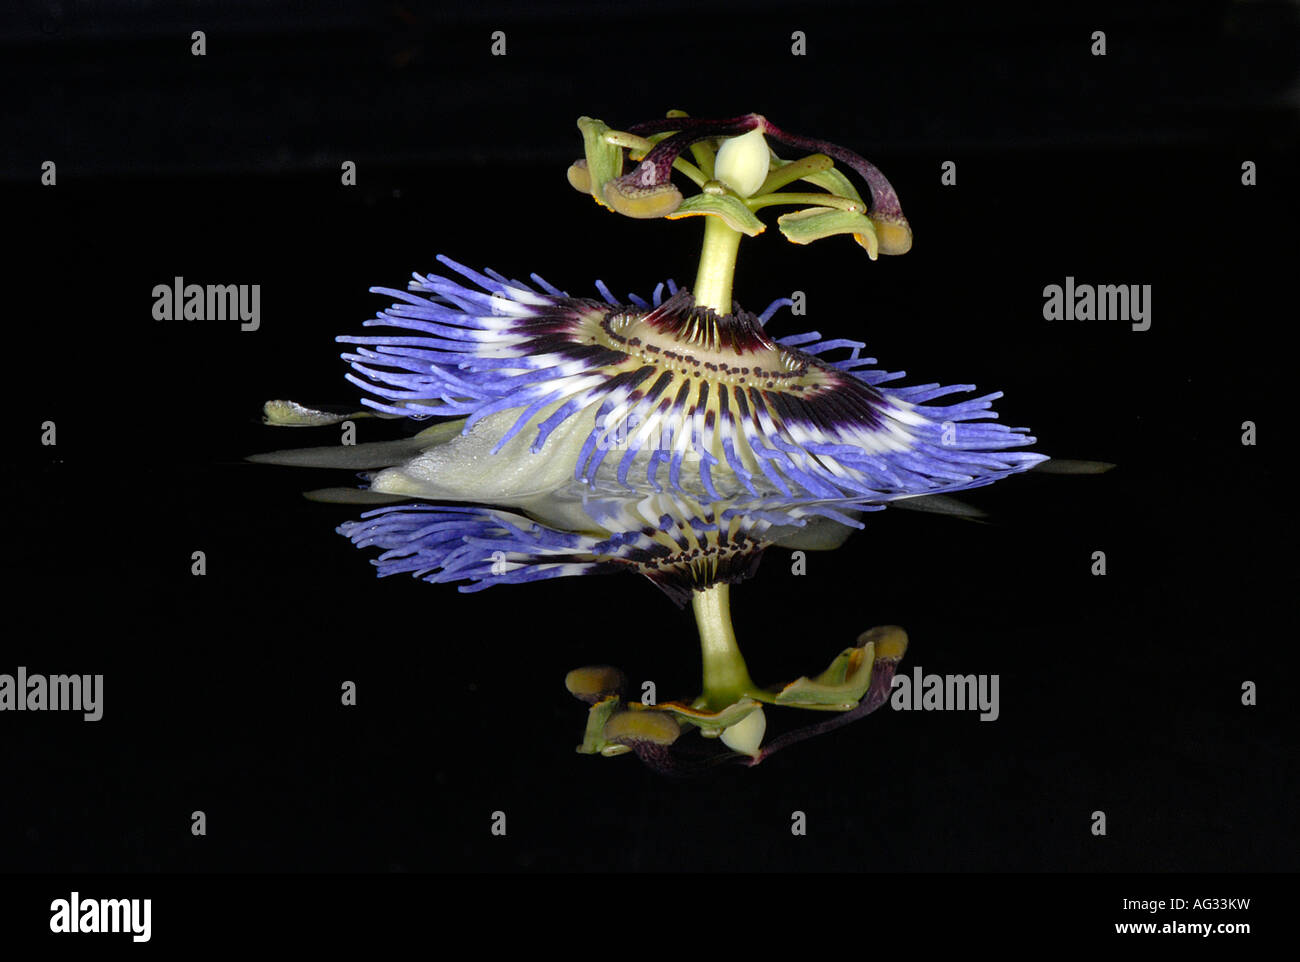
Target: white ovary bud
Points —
{"points": [[747, 734], [743, 162]]}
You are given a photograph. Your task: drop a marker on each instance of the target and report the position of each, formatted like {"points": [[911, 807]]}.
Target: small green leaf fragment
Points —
{"points": [[731, 209], [291, 414], [841, 685], [814, 223], [713, 722]]}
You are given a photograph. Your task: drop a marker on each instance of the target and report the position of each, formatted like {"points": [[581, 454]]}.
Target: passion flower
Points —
{"points": [[672, 436]]}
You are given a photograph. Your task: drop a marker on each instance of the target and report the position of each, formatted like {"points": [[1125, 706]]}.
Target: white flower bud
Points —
{"points": [[743, 162], [747, 734]]}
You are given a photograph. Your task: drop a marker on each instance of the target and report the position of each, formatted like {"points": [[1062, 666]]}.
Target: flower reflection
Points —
{"points": [[687, 549], [679, 544]]}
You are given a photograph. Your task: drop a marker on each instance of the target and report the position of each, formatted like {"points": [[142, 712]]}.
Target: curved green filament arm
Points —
{"points": [[639, 147], [704, 155], [783, 173], [759, 201]]}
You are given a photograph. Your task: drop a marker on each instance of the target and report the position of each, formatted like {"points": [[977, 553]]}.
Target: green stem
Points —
{"points": [[717, 265], [726, 677]]}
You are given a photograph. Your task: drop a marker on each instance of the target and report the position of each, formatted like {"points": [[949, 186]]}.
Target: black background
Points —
{"points": [[1118, 693]]}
